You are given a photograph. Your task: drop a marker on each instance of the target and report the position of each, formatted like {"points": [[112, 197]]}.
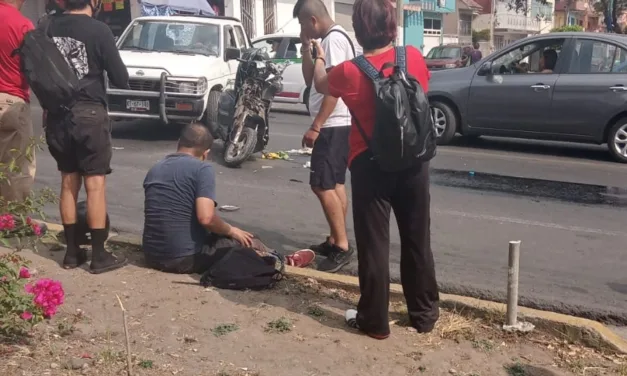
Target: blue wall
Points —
{"points": [[414, 21]]}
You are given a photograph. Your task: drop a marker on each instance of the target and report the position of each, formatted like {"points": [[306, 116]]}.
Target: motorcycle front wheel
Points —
{"points": [[237, 153]]}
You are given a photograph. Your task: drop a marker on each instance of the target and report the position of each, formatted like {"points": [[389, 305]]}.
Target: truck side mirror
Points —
{"points": [[232, 54]]}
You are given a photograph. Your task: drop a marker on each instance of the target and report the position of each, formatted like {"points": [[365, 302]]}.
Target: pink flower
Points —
{"points": [[48, 295], [7, 222], [26, 315], [3, 279], [29, 221], [36, 229], [24, 273]]}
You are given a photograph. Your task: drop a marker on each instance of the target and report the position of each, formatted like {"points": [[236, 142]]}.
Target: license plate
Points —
{"points": [[137, 105]]}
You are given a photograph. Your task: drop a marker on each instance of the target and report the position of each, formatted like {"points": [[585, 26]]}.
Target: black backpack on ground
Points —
{"points": [[49, 75], [404, 132], [241, 268]]}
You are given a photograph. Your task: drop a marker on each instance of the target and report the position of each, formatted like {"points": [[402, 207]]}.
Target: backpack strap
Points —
{"points": [[401, 57], [366, 67], [347, 37]]}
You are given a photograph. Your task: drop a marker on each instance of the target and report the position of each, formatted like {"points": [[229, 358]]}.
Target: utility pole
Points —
{"points": [[492, 20], [400, 23]]}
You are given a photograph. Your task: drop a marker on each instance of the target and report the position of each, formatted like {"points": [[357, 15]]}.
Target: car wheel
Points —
{"points": [[444, 121], [211, 113], [617, 140]]}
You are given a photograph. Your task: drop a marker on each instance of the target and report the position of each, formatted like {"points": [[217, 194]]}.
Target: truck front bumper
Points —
{"points": [[168, 98]]}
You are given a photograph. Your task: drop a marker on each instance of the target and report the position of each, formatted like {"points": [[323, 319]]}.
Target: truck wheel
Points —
{"points": [[236, 154], [617, 140], [211, 113], [445, 122]]}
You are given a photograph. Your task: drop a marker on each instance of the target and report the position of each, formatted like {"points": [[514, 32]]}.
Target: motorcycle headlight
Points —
{"points": [[186, 87]]}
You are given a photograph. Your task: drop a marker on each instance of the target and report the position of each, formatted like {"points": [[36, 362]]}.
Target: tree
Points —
{"points": [[617, 7], [567, 28], [480, 35]]}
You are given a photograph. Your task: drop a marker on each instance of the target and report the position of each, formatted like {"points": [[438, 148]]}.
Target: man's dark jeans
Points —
{"points": [[375, 193]]}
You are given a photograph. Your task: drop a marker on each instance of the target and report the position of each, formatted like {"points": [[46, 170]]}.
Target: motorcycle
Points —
{"points": [[243, 121]]}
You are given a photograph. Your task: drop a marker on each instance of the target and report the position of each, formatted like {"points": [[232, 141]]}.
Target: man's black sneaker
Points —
{"points": [[336, 259], [323, 248]]}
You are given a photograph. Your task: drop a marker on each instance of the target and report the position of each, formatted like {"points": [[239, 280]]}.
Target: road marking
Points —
{"points": [[529, 223], [553, 159]]}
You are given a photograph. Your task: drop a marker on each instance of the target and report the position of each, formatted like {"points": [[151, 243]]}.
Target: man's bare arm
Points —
{"points": [[209, 219], [307, 66], [326, 109]]}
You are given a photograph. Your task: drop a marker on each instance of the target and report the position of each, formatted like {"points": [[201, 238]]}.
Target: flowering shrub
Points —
{"points": [[17, 228], [24, 302]]}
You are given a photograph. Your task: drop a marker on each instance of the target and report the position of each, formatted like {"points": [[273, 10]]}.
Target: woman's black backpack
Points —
{"points": [[241, 268], [404, 132]]}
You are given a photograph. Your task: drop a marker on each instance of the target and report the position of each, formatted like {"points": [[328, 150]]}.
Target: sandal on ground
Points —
{"points": [[300, 259], [111, 263]]}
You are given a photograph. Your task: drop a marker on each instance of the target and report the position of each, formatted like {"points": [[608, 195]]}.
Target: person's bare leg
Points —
{"points": [[340, 189], [96, 201], [70, 186], [335, 214]]}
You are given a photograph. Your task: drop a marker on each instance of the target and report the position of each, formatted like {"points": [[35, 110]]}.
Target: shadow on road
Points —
{"points": [[549, 148], [145, 130]]}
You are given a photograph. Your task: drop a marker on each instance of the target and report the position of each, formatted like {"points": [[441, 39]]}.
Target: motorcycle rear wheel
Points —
{"points": [[236, 154]]}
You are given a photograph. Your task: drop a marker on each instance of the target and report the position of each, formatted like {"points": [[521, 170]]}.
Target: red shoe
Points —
{"points": [[300, 259]]}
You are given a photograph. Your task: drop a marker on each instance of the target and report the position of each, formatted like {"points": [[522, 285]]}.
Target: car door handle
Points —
{"points": [[618, 88], [540, 87]]}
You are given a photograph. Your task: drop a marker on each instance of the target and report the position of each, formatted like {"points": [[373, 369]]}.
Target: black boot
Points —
{"points": [[101, 260], [74, 255]]}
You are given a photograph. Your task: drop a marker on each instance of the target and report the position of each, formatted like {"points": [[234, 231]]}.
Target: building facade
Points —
{"points": [[509, 25], [457, 26], [579, 13]]}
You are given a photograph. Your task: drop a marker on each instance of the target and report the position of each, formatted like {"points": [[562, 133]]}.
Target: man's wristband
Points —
{"points": [[314, 129], [320, 58]]}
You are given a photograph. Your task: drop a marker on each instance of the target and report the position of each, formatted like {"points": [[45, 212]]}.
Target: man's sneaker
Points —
{"points": [[323, 248], [351, 321], [336, 259]]}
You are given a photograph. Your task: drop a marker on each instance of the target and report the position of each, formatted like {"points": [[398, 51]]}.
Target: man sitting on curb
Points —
{"points": [[182, 228]]}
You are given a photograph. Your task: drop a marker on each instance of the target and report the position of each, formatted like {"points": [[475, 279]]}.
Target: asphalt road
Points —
{"points": [[567, 203]]}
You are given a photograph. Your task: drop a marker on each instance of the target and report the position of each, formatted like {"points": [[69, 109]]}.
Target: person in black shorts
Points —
{"points": [[80, 139], [328, 133]]}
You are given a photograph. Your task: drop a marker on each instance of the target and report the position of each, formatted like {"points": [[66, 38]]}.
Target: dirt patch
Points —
{"points": [[178, 327]]}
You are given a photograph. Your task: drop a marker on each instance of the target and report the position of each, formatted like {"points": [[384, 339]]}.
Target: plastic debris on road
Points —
{"points": [[303, 151], [278, 155], [229, 208]]}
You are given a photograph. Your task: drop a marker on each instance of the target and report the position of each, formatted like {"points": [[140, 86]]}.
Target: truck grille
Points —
{"points": [[140, 85]]}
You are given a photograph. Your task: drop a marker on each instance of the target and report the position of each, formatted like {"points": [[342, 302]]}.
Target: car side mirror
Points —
{"points": [[232, 54], [485, 69]]}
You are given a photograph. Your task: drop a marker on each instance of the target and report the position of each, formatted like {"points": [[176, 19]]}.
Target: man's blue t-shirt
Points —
{"points": [[171, 187]]}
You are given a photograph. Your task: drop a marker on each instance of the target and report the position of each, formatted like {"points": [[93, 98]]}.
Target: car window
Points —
{"points": [[444, 53], [229, 37], [534, 57], [173, 37], [241, 38], [271, 46], [593, 56], [293, 49]]}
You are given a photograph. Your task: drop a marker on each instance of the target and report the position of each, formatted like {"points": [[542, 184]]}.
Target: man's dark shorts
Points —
{"points": [[329, 158], [80, 140]]}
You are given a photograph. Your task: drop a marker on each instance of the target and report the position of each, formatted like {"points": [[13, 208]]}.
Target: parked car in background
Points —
{"points": [[282, 47], [447, 56], [515, 92], [178, 66]]}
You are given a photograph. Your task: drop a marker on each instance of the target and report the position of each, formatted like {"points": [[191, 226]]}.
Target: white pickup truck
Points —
{"points": [[177, 66]]}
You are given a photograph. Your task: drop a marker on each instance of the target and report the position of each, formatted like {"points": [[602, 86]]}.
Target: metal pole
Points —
{"points": [[492, 20], [512, 282], [400, 23]]}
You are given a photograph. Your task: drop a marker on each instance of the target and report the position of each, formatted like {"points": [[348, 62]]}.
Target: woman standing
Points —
{"points": [[376, 192]]}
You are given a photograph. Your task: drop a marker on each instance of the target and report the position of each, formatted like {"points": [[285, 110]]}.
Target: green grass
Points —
{"points": [[146, 364], [515, 369], [281, 325], [224, 329]]}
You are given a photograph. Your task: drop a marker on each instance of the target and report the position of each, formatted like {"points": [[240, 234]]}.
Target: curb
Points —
{"points": [[575, 329]]}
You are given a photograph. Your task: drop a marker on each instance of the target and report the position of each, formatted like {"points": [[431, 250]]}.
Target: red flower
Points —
{"points": [[26, 315], [24, 273]]}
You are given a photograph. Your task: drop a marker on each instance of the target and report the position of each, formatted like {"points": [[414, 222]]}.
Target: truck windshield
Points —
{"points": [[173, 37], [444, 53]]}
